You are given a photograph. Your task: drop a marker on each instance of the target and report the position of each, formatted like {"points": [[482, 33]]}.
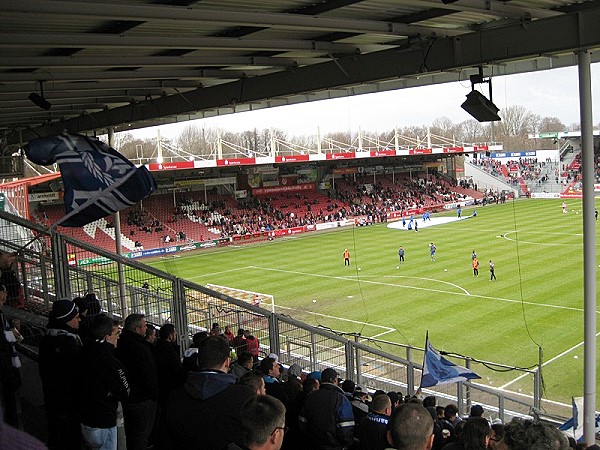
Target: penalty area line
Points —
{"points": [[388, 329], [551, 360], [362, 280], [439, 291]]}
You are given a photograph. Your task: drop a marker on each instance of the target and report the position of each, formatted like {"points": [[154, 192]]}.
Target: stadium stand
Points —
{"points": [[166, 219]]}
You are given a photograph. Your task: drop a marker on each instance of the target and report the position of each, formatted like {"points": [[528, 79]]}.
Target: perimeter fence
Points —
{"points": [[52, 266]]}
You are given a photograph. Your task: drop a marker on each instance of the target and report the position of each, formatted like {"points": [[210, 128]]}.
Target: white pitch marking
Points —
{"points": [[507, 300], [388, 329], [548, 244], [546, 363]]}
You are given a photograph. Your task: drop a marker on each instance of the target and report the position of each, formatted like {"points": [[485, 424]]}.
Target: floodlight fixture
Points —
{"points": [[477, 105]]}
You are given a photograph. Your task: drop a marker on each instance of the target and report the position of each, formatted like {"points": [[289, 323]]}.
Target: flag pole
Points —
{"points": [[424, 360], [119, 251]]}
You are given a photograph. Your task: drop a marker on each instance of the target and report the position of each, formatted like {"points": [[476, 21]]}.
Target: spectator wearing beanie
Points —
{"points": [[58, 358]]}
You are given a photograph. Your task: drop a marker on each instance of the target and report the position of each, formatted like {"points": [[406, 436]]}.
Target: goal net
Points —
{"points": [[255, 298]]}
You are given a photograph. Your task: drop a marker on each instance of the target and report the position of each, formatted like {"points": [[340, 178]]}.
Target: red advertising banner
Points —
{"points": [[171, 166], [280, 189], [377, 153], [350, 155], [286, 232], [236, 162], [454, 149], [420, 151], [292, 158], [480, 148]]}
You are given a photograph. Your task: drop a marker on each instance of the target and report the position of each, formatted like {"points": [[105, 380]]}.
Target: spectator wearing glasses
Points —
{"points": [[104, 384], [262, 423]]}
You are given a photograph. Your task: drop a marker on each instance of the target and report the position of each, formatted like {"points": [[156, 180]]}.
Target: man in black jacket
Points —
{"points": [[10, 375], [168, 362], [327, 415], [58, 362], [372, 430], [104, 384], [204, 414], [140, 411]]}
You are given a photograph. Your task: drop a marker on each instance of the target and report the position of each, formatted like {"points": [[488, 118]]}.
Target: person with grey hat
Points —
{"points": [[327, 415], [58, 363]]}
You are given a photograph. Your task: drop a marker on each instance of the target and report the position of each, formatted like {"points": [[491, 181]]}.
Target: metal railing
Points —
{"points": [[63, 266]]}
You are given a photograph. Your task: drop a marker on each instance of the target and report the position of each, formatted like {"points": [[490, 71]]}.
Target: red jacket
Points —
{"points": [[252, 345]]}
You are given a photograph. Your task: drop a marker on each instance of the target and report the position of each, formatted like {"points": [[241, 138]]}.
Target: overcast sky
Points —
{"points": [[550, 93]]}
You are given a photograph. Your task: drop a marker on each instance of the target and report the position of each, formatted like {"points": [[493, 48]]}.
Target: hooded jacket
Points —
{"points": [[204, 414]]}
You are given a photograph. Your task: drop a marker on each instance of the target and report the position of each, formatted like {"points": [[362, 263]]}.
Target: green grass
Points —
{"points": [[537, 300]]}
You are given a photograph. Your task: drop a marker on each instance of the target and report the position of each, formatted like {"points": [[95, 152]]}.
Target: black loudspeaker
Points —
{"points": [[40, 101], [480, 107], [488, 154]]}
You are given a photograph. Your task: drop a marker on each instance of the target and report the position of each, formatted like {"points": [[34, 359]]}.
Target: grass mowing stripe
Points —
{"points": [[537, 251]]}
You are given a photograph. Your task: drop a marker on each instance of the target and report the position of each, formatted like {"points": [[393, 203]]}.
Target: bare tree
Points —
{"points": [[470, 131], [444, 127], [516, 120], [190, 139], [550, 124]]}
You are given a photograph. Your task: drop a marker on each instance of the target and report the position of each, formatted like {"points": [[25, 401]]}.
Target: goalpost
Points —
{"points": [[254, 298]]}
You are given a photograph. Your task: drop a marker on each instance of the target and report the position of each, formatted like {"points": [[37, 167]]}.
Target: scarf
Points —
{"points": [[12, 341]]}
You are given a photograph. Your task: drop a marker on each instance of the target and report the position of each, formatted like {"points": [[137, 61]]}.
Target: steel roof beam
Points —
{"points": [[178, 15]]}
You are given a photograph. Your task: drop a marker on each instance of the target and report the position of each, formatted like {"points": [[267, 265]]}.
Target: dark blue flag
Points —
{"points": [[98, 180], [438, 370]]}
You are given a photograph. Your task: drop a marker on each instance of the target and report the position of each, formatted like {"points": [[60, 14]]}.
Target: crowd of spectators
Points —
{"points": [[221, 395], [197, 216], [349, 198]]}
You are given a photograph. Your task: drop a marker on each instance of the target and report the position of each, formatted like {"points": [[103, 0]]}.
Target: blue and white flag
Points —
{"points": [[574, 426], [98, 180], [438, 370]]}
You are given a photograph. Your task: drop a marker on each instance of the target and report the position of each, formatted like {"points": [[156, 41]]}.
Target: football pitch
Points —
{"points": [[536, 301]]}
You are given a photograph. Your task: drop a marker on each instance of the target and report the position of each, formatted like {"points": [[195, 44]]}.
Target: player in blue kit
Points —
{"points": [[432, 249]]}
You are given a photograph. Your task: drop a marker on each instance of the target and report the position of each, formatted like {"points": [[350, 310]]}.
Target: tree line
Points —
{"points": [[517, 122]]}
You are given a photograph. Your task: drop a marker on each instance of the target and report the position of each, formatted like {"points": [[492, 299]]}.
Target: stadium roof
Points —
{"points": [[132, 64]]}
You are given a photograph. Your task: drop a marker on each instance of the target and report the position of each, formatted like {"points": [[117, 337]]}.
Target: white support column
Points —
{"points": [[589, 248], [360, 147], [219, 145], [159, 158], [319, 149]]}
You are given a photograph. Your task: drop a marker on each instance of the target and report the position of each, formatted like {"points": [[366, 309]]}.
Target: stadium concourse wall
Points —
{"points": [[46, 274]]}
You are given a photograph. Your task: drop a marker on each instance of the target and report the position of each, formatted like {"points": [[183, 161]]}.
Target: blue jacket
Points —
{"points": [[328, 419]]}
